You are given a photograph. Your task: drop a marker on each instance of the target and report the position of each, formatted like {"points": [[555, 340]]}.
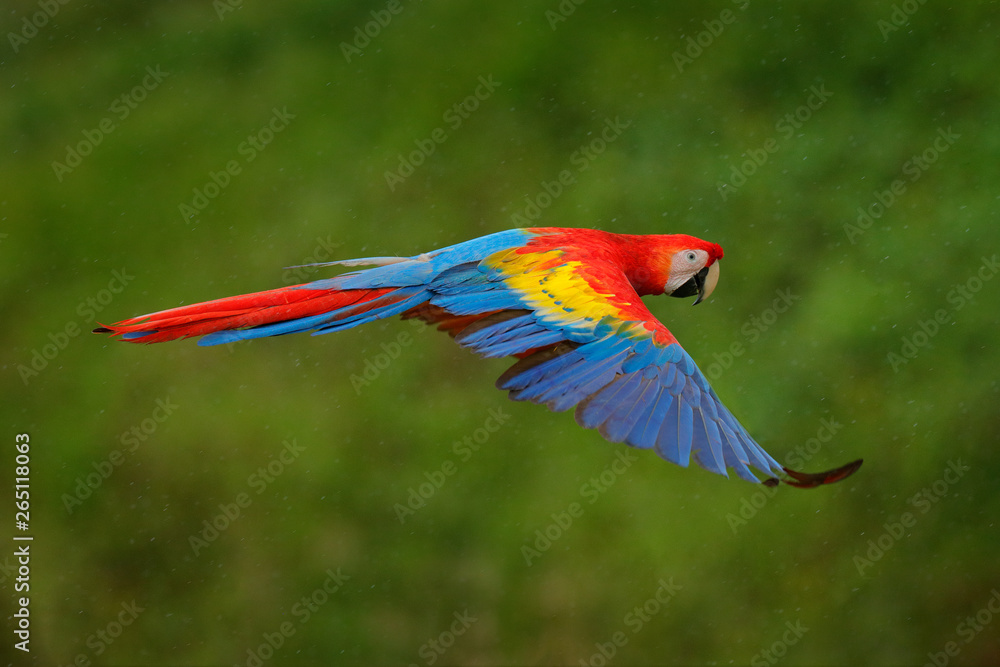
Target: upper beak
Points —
{"points": [[701, 283]]}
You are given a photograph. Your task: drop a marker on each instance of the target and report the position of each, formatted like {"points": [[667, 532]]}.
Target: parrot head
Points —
{"points": [[693, 267]]}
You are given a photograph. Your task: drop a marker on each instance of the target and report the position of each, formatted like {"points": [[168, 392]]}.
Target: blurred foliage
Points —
{"points": [[748, 562]]}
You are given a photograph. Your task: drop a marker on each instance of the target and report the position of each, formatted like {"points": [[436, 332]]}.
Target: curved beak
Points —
{"points": [[708, 282], [702, 283]]}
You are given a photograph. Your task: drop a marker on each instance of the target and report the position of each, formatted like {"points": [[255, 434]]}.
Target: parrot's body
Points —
{"points": [[565, 301]]}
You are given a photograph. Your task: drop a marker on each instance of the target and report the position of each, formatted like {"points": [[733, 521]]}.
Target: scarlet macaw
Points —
{"points": [[564, 301]]}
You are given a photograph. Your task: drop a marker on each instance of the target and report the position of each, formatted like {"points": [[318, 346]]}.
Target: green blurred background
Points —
{"points": [[884, 568]]}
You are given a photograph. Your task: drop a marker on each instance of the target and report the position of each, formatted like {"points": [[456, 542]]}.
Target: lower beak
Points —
{"points": [[702, 283]]}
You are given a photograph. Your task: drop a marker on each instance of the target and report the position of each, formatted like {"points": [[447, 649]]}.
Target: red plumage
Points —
{"points": [[237, 312]]}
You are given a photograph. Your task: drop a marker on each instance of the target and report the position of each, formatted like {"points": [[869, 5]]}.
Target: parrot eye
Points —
{"points": [[691, 256]]}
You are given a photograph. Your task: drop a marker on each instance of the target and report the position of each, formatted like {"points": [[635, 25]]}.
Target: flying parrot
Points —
{"points": [[565, 302]]}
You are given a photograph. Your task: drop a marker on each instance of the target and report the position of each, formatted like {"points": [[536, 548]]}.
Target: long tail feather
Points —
{"points": [[248, 311]]}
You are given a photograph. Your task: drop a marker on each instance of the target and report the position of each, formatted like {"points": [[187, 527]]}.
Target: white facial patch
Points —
{"points": [[683, 265]]}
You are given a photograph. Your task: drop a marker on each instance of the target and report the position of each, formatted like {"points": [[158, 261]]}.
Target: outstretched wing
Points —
{"points": [[587, 340]]}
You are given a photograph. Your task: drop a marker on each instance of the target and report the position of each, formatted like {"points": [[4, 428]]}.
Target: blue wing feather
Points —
{"points": [[667, 439], [624, 418], [685, 428], [574, 396], [588, 379], [522, 343], [601, 406], [709, 444], [643, 434]]}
